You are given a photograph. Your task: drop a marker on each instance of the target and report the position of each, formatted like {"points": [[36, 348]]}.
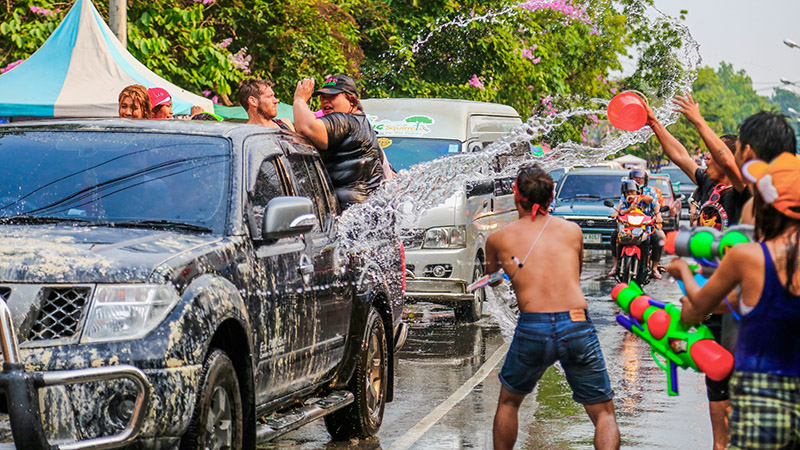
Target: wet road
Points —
{"points": [[442, 361]]}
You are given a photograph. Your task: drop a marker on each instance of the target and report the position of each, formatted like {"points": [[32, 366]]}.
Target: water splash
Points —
{"points": [[373, 227]]}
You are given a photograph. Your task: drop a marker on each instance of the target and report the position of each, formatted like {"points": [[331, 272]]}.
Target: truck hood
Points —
{"points": [[582, 209], [444, 214], [67, 254]]}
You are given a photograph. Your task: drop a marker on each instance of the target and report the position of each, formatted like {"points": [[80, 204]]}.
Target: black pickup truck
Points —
{"points": [[176, 284]]}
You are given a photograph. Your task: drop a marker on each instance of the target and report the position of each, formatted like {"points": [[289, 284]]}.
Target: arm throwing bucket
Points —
{"points": [[627, 111]]}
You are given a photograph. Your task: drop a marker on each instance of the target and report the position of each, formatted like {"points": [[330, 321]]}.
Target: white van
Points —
{"points": [[445, 250]]}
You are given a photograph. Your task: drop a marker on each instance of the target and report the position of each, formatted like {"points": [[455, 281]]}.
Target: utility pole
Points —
{"points": [[118, 19]]}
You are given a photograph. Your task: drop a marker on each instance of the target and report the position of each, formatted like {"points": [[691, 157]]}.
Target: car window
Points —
{"points": [[309, 185], [677, 175], [663, 185], [268, 185], [327, 184], [589, 186]]}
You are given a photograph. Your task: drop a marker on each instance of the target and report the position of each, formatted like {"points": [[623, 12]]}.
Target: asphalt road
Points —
{"points": [[447, 387]]}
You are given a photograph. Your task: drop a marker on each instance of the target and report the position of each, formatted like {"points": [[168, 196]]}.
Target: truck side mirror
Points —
{"points": [[664, 209], [288, 216], [474, 147], [608, 203]]}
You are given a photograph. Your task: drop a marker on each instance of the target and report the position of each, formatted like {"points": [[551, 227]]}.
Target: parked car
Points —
{"points": [[579, 198], [683, 185], [445, 248], [672, 199], [176, 283]]}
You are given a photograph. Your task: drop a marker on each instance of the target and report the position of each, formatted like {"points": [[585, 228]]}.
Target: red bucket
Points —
{"points": [[627, 111]]}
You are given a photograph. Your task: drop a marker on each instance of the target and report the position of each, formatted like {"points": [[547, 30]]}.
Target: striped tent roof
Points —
{"points": [[79, 72]]}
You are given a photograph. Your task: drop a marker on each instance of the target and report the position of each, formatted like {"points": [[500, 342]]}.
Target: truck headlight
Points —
{"points": [[121, 312], [445, 237]]}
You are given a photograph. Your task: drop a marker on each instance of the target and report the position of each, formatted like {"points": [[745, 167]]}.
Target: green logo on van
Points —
{"points": [[410, 126]]}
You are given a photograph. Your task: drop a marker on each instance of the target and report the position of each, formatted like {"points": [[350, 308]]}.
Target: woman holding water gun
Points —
{"points": [[765, 387]]}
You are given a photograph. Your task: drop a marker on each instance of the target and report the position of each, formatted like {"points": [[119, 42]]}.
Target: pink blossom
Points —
{"points": [[613, 90], [527, 53], [42, 11], [536, 60], [11, 66], [225, 42], [215, 100], [206, 93], [476, 82]]}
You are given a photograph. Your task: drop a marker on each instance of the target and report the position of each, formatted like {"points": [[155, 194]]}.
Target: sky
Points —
{"points": [[747, 33]]}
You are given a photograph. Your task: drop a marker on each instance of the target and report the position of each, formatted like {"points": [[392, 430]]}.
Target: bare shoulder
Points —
{"points": [[746, 253], [567, 226]]}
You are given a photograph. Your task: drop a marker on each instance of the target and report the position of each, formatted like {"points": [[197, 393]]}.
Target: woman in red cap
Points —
{"points": [[161, 103]]}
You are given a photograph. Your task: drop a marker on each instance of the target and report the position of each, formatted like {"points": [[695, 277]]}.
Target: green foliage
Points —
{"points": [[537, 60]]}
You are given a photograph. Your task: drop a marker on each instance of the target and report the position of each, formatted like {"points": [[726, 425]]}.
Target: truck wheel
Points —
{"points": [[217, 421], [471, 311], [363, 417]]}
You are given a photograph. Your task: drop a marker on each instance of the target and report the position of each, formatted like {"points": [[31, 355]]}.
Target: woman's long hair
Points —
{"points": [[770, 224]]}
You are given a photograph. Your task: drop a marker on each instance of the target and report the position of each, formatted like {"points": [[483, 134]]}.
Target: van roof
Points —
{"points": [[431, 117]]}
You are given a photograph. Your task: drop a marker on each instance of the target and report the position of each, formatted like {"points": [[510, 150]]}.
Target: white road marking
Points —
{"points": [[411, 436]]}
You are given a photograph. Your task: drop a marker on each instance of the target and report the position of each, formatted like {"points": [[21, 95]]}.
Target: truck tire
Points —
{"points": [[364, 416], [472, 311], [217, 421]]}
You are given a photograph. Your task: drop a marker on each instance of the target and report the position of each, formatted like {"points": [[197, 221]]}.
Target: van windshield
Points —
{"points": [[405, 152]]}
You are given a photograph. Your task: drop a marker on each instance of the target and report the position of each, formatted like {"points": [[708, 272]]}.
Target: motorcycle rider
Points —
{"points": [[643, 198], [657, 238]]}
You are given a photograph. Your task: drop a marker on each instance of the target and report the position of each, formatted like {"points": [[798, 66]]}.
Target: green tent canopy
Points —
{"points": [[238, 113]]}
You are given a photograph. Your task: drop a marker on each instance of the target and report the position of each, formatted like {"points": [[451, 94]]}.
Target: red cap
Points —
{"points": [[158, 96]]}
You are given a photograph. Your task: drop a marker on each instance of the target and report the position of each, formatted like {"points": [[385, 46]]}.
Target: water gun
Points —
{"points": [[678, 345], [486, 280], [707, 245]]}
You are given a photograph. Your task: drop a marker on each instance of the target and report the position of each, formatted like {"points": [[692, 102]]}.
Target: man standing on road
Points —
{"points": [[554, 324], [261, 105], [344, 137]]}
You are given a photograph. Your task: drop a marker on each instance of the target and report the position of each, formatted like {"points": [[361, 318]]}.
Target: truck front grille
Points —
{"points": [[60, 313]]}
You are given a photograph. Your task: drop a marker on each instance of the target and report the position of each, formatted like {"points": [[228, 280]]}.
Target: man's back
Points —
{"points": [[549, 280]]}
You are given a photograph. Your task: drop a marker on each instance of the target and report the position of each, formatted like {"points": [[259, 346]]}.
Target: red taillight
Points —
{"points": [[403, 266]]}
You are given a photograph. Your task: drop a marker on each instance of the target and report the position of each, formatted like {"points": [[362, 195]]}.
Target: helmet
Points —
{"points": [[628, 185], [639, 173]]}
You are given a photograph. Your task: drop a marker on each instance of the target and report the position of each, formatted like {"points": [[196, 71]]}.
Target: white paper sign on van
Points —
{"points": [[419, 125]]}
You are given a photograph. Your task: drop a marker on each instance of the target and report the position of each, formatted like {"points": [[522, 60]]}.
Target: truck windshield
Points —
{"points": [[115, 177], [405, 152], [589, 187]]}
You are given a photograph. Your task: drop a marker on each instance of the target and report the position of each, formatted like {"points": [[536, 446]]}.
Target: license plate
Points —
{"points": [[592, 238]]}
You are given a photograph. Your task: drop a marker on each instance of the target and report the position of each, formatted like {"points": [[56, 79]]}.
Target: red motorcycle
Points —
{"points": [[634, 229]]}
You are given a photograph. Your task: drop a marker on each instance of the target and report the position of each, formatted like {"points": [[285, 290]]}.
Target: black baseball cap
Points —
{"points": [[336, 85]]}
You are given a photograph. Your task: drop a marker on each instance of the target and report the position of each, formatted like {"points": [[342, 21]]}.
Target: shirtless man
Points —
{"points": [[553, 324]]}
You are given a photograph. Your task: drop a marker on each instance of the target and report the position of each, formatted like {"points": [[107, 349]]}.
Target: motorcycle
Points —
{"points": [[634, 229]]}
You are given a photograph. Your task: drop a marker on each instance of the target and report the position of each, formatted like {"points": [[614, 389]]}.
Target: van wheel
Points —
{"points": [[472, 311], [217, 421], [364, 416]]}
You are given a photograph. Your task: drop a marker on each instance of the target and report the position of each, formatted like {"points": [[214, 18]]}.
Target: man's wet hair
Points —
{"points": [[251, 88], [768, 134], [730, 141], [536, 185]]}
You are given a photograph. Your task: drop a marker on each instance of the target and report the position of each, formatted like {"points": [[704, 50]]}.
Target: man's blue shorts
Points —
{"points": [[540, 340]]}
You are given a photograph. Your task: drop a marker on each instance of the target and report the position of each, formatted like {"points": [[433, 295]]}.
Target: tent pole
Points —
{"points": [[118, 19]]}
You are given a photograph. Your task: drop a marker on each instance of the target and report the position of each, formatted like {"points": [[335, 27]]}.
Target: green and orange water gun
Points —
{"points": [[672, 343]]}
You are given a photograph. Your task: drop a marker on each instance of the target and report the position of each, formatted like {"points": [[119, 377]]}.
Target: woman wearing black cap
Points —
{"points": [[344, 137]]}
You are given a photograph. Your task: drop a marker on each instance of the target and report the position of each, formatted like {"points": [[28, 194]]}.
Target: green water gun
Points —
{"points": [[707, 245], [677, 344]]}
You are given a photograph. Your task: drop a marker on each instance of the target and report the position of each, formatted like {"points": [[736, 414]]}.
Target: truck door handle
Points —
{"points": [[305, 268]]}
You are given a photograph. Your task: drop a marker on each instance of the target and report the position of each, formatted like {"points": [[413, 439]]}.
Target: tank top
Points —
{"points": [[770, 334]]}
